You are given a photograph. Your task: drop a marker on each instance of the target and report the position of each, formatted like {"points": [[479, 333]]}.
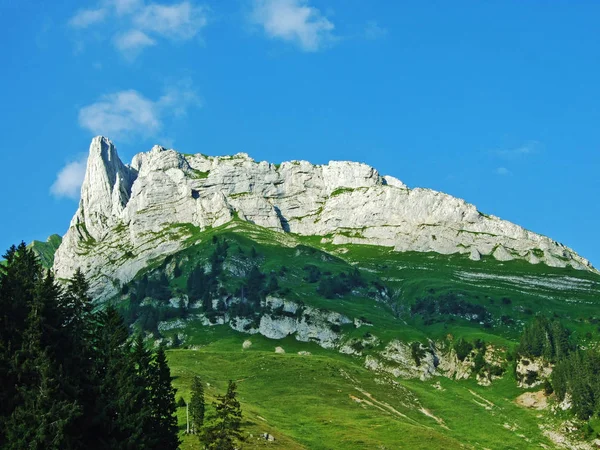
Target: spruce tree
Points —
{"points": [[197, 406], [222, 432], [44, 412], [142, 362], [122, 405], [69, 377], [18, 279], [142, 357], [162, 401], [80, 353]]}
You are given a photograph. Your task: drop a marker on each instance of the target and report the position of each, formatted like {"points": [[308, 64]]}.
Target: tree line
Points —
{"points": [[71, 377], [576, 369]]}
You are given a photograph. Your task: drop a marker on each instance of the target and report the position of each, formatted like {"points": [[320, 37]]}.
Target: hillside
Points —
{"points": [[322, 290], [46, 250]]}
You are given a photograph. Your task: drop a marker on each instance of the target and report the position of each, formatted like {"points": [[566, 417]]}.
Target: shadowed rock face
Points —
{"points": [[125, 212]]}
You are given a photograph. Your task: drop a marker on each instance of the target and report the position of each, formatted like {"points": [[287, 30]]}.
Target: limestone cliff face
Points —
{"points": [[129, 215]]}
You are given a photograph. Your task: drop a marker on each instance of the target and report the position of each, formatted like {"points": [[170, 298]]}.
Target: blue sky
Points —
{"points": [[494, 102]]}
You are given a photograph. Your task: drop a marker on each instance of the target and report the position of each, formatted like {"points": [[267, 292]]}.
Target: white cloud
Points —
{"points": [[87, 17], [293, 21], [69, 179], [127, 113], [125, 6], [374, 31], [179, 21], [502, 171], [132, 42], [136, 25], [119, 113]]}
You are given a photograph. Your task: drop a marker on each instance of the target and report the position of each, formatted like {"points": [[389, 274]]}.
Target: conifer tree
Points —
{"points": [[142, 357], [122, 405], [69, 377], [18, 279], [41, 418], [222, 432], [162, 400], [197, 406]]}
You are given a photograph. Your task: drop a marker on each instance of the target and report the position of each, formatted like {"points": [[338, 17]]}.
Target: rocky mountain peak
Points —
{"points": [[126, 212], [105, 191]]}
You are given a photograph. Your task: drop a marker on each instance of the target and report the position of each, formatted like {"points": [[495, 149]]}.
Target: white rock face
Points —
{"points": [[316, 329], [538, 366], [129, 215]]}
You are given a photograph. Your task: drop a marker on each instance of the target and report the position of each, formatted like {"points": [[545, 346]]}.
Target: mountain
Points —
{"points": [[46, 250], [354, 312], [132, 214]]}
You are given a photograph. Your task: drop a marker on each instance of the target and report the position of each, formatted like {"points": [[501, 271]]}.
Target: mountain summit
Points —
{"points": [[131, 215]]}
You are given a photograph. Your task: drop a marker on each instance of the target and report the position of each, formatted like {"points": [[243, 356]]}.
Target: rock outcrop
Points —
{"points": [[131, 214]]}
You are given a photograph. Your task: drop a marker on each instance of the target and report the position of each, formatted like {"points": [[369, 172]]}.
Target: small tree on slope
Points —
{"points": [[197, 406], [222, 431]]}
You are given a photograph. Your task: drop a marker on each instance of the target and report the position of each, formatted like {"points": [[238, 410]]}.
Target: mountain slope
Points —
{"points": [[46, 250], [323, 292], [302, 396], [129, 215]]}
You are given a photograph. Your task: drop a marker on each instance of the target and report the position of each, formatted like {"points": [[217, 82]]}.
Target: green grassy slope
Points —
{"points": [[45, 250], [330, 400]]}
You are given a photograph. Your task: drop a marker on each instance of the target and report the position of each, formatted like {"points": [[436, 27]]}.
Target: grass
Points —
{"points": [[340, 191], [46, 250], [199, 175], [329, 400], [326, 400], [506, 289]]}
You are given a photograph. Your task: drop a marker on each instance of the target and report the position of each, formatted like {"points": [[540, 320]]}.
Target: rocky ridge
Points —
{"points": [[130, 215]]}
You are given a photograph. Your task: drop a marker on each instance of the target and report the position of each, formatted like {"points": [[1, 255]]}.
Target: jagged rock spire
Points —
{"points": [[105, 191]]}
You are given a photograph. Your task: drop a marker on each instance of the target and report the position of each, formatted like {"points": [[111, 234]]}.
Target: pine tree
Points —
{"points": [[69, 377], [80, 353], [18, 279], [197, 407], [222, 432], [560, 376], [163, 405], [581, 390], [142, 357], [42, 417], [122, 405]]}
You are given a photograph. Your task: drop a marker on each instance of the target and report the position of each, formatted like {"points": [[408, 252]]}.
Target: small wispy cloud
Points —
{"points": [[137, 25], [293, 21], [119, 113], [87, 17], [374, 31], [179, 21], [128, 113], [125, 6], [132, 42], [69, 179], [502, 171], [528, 148]]}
